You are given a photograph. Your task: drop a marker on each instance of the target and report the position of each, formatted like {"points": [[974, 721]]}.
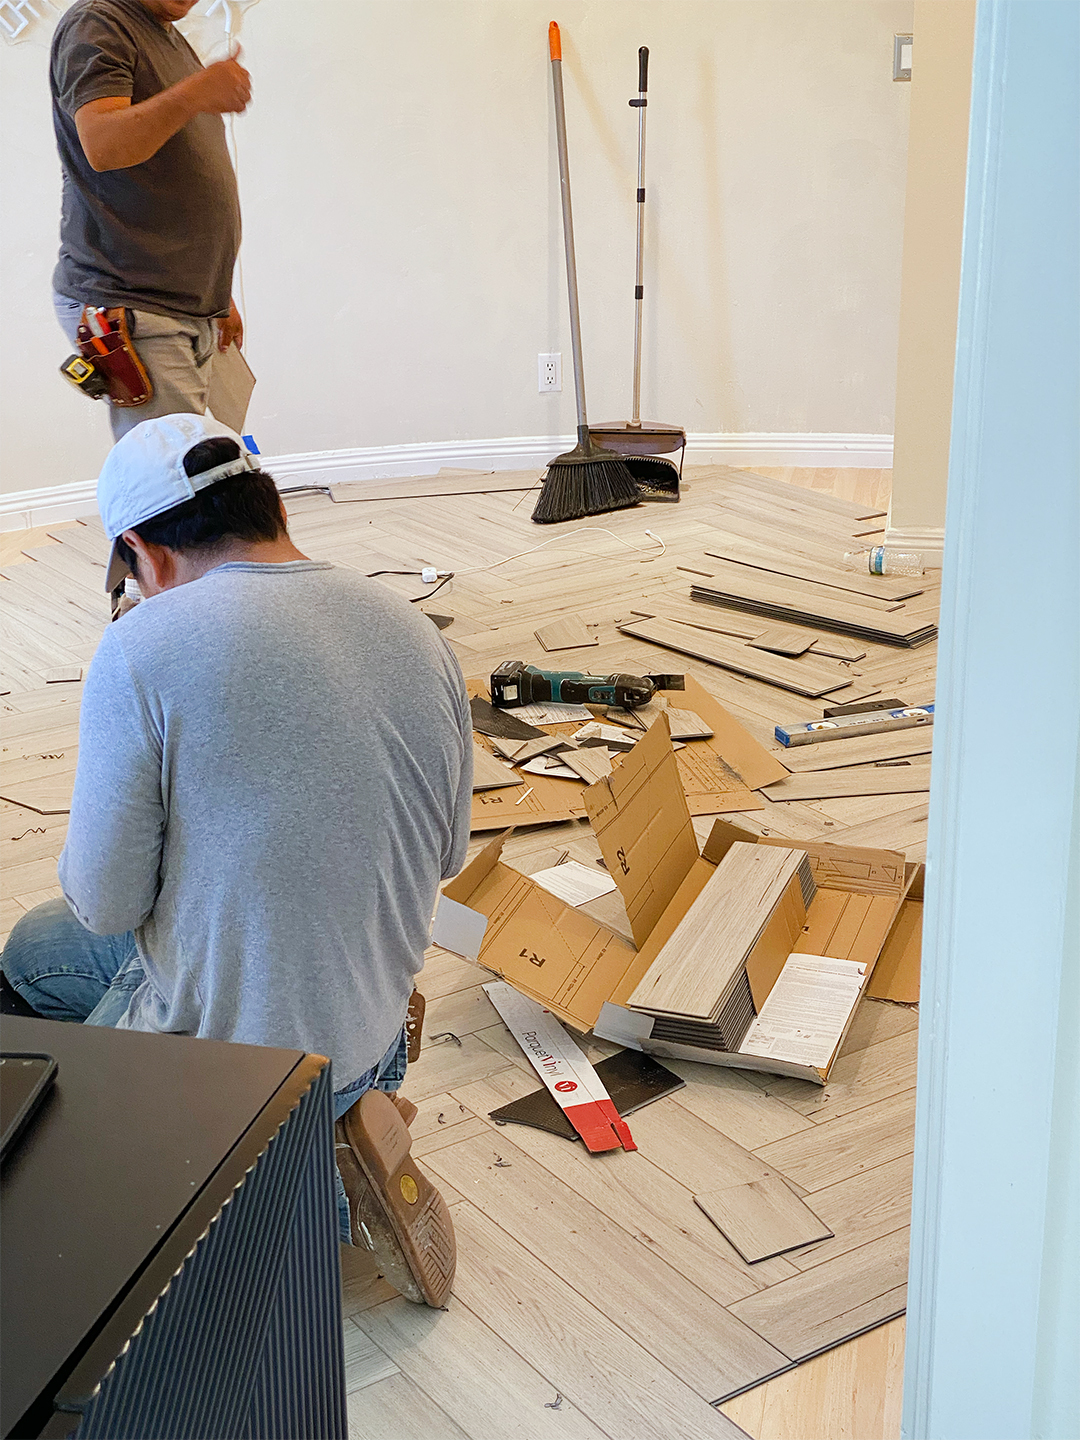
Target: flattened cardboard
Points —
{"points": [[538, 800], [730, 742]]}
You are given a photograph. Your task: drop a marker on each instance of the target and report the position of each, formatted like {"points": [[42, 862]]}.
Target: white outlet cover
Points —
{"points": [[549, 372]]}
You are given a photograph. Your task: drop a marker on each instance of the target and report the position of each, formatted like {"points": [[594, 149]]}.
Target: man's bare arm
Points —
{"points": [[116, 134]]}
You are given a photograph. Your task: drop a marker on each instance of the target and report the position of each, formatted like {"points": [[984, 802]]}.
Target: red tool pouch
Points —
{"points": [[104, 340]]}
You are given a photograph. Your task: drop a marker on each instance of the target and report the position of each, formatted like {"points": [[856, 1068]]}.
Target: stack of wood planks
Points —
{"points": [[802, 601], [705, 983]]}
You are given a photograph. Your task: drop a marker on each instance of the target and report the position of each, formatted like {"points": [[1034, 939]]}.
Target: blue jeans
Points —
{"points": [[67, 973]]}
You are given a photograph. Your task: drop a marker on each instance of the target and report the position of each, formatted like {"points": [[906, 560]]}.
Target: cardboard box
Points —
{"points": [[586, 974]]}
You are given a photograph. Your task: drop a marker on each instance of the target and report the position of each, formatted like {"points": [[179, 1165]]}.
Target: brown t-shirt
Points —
{"points": [[161, 236]]}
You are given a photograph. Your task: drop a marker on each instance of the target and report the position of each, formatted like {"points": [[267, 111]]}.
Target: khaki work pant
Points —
{"points": [[178, 355]]}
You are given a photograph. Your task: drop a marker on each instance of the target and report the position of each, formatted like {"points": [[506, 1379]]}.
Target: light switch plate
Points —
{"points": [[901, 64]]}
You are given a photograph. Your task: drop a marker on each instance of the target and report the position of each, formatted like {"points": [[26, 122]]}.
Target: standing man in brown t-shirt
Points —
{"points": [[151, 217]]}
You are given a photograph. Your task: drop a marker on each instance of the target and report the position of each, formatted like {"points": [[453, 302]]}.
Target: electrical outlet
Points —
{"points": [[550, 372]]}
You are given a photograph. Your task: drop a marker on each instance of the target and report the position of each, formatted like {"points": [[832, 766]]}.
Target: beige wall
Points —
{"points": [[933, 230], [402, 256]]}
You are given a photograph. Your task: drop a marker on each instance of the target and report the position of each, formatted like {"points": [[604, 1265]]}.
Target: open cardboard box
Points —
{"points": [[585, 974]]}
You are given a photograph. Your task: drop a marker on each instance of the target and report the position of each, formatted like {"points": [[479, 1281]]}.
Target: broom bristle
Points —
{"points": [[608, 486], [562, 494]]}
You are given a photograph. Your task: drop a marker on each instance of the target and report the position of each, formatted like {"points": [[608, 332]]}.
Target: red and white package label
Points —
{"points": [[566, 1072]]}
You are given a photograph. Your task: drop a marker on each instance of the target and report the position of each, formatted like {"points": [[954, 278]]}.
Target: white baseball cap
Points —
{"points": [[144, 475]]}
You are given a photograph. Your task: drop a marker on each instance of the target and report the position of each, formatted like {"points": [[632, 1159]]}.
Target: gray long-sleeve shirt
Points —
{"points": [[275, 771]]}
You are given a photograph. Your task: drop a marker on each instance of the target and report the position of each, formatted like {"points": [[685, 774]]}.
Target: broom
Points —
{"points": [[642, 443], [586, 480]]}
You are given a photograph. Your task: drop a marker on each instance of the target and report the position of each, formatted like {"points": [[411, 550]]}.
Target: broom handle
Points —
{"points": [[555, 49], [641, 105]]}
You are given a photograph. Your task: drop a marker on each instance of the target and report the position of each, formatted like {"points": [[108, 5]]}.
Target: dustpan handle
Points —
{"points": [[555, 49], [641, 105]]}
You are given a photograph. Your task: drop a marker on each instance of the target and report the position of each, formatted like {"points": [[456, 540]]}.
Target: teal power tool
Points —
{"points": [[515, 683]]}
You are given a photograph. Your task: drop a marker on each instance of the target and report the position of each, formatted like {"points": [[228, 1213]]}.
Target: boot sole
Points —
{"points": [[418, 1216]]}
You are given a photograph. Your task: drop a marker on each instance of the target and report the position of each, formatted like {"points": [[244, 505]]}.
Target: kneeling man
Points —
{"points": [[275, 772]]}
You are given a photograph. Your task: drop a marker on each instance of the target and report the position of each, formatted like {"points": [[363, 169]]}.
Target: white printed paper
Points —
{"points": [[574, 883], [457, 928], [806, 1010], [550, 712]]}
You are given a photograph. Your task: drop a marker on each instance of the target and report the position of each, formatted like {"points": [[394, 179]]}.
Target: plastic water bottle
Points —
{"points": [[883, 561]]}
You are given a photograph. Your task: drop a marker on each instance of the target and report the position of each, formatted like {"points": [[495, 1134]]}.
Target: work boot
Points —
{"points": [[394, 1210], [405, 1108]]}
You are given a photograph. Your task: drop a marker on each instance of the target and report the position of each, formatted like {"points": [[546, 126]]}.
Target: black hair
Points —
{"points": [[240, 507]]}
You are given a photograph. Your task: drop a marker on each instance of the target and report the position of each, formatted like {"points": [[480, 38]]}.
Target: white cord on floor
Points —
{"points": [[600, 529]]}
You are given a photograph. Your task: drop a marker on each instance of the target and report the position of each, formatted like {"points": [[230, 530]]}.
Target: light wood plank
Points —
{"points": [[683, 1327], [798, 677], [834, 1300], [705, 949], [566, 634], [365, 1363], [730, 1102], [853, 1144], [834, 576], [864, 1207], [489, 773], [50, 795], [397, 1407], [828, 784], [859, 750], [763, 1218], [854, 1392], [785, 640], [443, 1065], [615, 1380], [476, 1377]]}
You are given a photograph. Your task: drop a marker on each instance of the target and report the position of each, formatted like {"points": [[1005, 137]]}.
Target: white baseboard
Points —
{"points": [[52, 504], [928, 540]]}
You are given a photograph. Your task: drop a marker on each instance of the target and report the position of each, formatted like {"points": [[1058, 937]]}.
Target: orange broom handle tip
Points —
{"points": [[554, 41]]}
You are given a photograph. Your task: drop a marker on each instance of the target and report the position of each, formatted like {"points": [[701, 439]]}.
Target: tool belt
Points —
{"points": [[107, 362]]}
